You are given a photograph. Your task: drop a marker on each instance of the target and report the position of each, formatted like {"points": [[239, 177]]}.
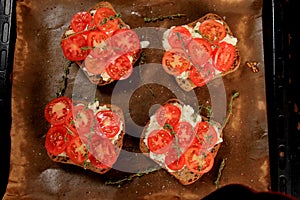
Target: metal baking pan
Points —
{"points": [[37, 76]]}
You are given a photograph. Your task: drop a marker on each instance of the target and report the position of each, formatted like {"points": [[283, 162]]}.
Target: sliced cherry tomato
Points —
{"points": [[168, 114], [104, 50], [198, 161], [80, 21], [120, 68], [174, 159], [102, 152], [57, 109], [95, 38], [179, 37], [212, 30], [206, 135], [102, 15], [95, 65], [200, 51], [175, 61], [126, 41], [159, 141], [77, 151], [202, 75], [109, 27], [75, 47], [224, 56], [109, 123], [83, 118], [185, 134], [56, 139]]}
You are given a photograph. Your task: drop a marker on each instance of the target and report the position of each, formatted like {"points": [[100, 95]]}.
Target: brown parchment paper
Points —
{"points": [[37, 75]]}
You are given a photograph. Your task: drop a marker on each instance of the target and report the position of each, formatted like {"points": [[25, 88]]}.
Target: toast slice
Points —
{"points": [[116, 141], [184, 81], [184, 175], [103, 78]]}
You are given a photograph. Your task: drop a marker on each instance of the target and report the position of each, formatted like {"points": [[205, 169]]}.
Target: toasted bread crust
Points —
{"points": [[97, 79], [187, 84], [118, 146], [184, 176]]}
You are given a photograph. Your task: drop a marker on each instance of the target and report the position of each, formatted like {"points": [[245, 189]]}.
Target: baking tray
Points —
{"points": [[37, 76]]}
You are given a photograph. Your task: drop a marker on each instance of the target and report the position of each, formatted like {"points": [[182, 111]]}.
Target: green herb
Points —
{"points": [[217, 181], [235, 95], [161, 18], [63, 88], [129, 178]]}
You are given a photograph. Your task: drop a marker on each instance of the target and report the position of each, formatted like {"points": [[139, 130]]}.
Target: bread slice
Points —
{"points": [[117, 142], [185, 83], [184, 176], [98, 79]]}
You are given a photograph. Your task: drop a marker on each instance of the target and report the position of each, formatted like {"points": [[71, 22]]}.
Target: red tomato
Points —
{"points": [[109, 123], [104, 50], [174, 159], [120, 68], [80, 21], [57, 109], [159, 141], [185, 134], [102, 152], [212, 30], [168, 114], [126, 41], [77, 151], [56, 139], [224, 56], [175, 61], [109, 27], [70, 124], [75, 47], [200, 51], [94, 38], [198, 161], [179, 37], [202, 75], [83, 118], [102, 15], [206, 135], [95, 65]]}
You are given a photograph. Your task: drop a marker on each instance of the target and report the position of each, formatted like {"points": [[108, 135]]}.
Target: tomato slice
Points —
{"points": [[109, 27], [57, 109], [185, 134], [77, 151], [179, 37], [202, 75], [75, 47], [175, 61], [102, 152], [126, 41], [70, 124], [174, 159], [95, 65], [200, 51], [168, 114], [109, 123], [198, 161], [80, 21], [159, 141], [120, 68], [95, 38], [206, 135], [56, 139], [224, 56], [102, 15], [83, 118], [212, 30]]}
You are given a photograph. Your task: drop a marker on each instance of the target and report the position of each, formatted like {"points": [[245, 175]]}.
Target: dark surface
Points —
{"points": [[7, 43], [38, 69]]}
